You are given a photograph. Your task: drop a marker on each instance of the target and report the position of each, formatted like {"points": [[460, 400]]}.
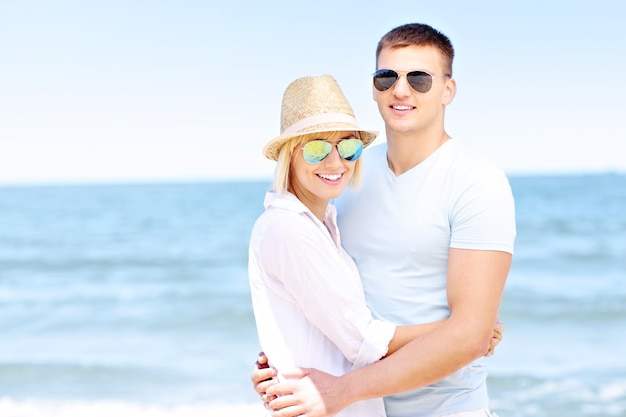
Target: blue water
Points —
{"points": [[138, 294]]}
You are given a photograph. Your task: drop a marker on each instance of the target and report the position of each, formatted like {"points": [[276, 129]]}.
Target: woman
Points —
{"points": [[307, 295]]}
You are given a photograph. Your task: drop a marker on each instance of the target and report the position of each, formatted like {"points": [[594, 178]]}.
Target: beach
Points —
{"points": [[133, 300], [11, 408]]}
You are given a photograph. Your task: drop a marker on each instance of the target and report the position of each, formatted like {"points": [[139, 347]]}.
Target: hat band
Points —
{"points": [[320, 118]]}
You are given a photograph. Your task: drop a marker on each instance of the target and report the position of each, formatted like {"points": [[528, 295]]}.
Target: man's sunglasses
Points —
{"points": [[420, 81], [315, 151]]}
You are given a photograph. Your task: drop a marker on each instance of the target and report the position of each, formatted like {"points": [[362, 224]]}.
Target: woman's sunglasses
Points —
{"points": [[420, 81], [315, 151]]}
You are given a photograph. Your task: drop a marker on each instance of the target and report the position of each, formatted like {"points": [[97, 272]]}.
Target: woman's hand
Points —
{"points": [[262, 378]]}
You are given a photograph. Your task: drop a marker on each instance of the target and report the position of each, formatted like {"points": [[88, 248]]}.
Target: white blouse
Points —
{"points": [[308, 299]]}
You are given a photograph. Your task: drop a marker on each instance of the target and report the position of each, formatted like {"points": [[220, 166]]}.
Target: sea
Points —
{"points": [[133, 300]]}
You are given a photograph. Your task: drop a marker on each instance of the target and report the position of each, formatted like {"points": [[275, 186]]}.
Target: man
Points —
{"points": [[432, 232]]}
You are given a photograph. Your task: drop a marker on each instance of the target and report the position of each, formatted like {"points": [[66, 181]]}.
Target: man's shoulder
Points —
{"points": [[463, 158], [375, 151], [463, 150]]}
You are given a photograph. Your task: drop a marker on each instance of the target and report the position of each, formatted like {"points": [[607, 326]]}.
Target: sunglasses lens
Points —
{"points": [[350, 149], [385, 79], [420, 81], [315, 151]]}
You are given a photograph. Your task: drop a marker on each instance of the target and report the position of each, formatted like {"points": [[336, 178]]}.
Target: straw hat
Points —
{"points": [[314, 105]]}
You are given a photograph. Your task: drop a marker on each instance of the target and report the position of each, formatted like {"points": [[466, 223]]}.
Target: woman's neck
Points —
{"points": [[315, 204]]}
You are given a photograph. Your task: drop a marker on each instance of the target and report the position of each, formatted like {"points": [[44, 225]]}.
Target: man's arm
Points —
{"points": [[475, 284], [262, 374]]}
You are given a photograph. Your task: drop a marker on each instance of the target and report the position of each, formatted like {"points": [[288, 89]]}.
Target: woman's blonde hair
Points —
{"points": [[283, 164]]}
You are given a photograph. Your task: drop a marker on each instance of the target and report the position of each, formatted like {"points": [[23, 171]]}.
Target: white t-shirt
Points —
{"points": [[308, 299], [399, 231]]}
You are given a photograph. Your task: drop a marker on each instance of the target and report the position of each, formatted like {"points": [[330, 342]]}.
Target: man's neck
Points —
{"points": [[406, 151]]}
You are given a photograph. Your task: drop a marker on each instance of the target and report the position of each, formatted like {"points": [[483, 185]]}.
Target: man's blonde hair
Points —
{"points": [[283, 164]]}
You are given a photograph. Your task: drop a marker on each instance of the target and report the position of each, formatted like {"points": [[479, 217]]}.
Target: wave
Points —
{"points": [[13, 408], [567, 395]]}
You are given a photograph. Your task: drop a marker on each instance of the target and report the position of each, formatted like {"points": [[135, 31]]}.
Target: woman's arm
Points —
{"points": [[404, 334]]}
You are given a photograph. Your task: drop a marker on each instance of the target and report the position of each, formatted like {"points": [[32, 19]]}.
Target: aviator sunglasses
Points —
{"points": [[315, 151], [420, 81]]}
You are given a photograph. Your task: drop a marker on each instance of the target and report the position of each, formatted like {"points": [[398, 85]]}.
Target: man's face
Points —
{"points": [[405, 110]]}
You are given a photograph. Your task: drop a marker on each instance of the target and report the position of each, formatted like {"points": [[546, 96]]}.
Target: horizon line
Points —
{"points": [[242, 179]]}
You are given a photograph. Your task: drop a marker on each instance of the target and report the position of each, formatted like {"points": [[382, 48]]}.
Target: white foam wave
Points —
{"points": [[31, 408]]}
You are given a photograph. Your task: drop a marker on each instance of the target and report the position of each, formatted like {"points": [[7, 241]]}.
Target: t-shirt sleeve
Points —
{"points": [[483, 216]]}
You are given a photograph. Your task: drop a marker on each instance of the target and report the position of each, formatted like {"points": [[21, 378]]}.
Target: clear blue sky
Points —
{"points": [[130, 90]]}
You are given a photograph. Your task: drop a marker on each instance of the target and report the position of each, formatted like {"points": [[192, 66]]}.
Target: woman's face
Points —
{"points": [[317, 183]]}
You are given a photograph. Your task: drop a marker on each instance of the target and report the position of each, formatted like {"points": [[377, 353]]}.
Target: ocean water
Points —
{"points": [[133, 300]]}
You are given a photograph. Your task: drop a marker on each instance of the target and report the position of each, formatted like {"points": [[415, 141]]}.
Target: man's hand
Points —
{"points": [[314, 394], [262, 378], [498, 331]]}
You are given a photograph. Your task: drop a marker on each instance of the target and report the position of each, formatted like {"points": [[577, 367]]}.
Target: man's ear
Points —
{"points": [[449, 92]]}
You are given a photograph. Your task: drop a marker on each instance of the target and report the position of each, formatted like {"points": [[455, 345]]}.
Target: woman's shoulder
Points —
{"points": [[280, 223]]}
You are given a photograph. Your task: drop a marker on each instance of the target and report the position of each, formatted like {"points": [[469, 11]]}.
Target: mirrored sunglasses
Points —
{"points": [[315, 151]]}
